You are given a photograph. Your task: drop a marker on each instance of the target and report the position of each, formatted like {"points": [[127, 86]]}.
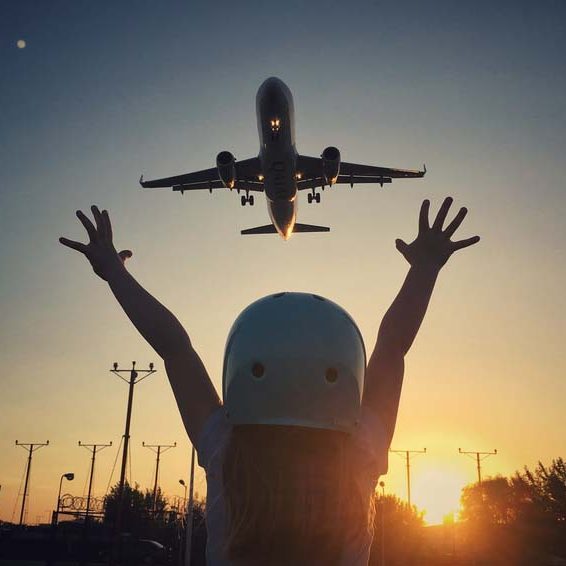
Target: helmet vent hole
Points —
{"points": [[278, 295], [318, 298], [258, 370], [331, 375]]}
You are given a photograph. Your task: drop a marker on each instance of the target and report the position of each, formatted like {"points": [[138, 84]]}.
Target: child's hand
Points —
{"points": [[432, 246], [100, 250]]}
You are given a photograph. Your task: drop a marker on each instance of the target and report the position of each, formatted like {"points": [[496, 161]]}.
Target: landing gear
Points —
{"points": [[313, 197], [247, 199]]}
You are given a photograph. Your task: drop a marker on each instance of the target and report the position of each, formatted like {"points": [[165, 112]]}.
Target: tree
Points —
{"points": [[489, 503], [518, 519], [137, 510], [402, 532], [547, 488]]}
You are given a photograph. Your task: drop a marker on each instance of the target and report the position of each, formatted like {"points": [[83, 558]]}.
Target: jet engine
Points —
{"points": [[331, 164], [226, 165]]}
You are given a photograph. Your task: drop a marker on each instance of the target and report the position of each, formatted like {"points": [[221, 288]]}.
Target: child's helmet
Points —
{"points": [[294, 359]]}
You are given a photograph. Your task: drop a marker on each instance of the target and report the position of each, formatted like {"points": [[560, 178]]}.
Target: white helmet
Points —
{"points": [[294, 359]]}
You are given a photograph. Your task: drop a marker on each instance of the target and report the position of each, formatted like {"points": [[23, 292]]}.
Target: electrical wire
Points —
{"points": [[19, 492], [114, 467]]}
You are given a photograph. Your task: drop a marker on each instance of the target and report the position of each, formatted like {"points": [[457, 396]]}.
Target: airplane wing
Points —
{"points": [[310, 169], [248, 172]]}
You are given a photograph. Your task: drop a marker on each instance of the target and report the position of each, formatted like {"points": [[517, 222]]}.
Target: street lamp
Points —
{"points": [[382, 486], [69, 476], [182, 482]]}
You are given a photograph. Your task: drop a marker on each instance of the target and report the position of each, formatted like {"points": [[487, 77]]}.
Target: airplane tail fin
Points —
{"points": [[270, 229]]}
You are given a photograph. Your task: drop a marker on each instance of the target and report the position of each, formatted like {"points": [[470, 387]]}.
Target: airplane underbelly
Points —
{"points": [[279, 182], [280, 189]]}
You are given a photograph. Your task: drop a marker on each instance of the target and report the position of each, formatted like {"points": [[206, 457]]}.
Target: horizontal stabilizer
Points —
{"points": [[267, 229], [309, 228], [270, 229]]}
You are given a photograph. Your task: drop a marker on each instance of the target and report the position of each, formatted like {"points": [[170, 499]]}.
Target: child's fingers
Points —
{"points": [[73, 245], [99, 221], [402, 246], [455, 224], [423, 217], [125, 254], [465, 243], [441, 216], [88, 225], [107, 224]]}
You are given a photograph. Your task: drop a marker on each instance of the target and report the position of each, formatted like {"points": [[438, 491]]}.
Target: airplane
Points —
{"points": [[279, 171]]}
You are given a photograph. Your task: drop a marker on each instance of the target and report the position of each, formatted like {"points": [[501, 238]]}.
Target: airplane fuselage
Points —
{"points": [[279, 171], [277, 153]]}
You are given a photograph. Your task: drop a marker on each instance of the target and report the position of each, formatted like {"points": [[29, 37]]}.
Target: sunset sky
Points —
{"points": [[95, 93]]}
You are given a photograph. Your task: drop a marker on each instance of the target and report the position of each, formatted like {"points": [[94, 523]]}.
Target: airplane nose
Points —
{"points": [[271, 84], [271, 93]]}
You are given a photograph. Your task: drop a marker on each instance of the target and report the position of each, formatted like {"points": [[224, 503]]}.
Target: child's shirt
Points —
{"points": [[373, 449]]}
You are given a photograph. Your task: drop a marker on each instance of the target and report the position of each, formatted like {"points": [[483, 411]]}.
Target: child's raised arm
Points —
{"points": [[426, 255], [192, 387]]}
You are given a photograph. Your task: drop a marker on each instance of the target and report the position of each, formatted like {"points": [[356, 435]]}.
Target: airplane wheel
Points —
{"points": [[243, 200], [251, 200], [309, 198], [317, 198]]}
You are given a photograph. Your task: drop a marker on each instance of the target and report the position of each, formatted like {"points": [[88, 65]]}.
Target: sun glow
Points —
{"points": [[437, 492]]}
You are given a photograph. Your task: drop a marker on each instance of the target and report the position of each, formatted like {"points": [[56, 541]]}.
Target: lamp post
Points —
{"points": [[182, 482], [382, 486], [69, 476], [190, 507]]}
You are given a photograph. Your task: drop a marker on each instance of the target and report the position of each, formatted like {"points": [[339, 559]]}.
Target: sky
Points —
{"points": [[105, 91]]}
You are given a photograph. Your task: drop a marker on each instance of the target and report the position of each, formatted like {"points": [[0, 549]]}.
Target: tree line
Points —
{"points": [[516, 520]]}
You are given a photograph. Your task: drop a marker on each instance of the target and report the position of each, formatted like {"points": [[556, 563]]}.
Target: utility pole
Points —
{"points": [[478, 457], [133, 378], [157, 449], [407, 455], [93, 449], [31, 448], [189, 515], [382, 557]]}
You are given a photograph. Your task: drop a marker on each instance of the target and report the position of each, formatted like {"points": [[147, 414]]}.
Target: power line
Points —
{"points": [[114, 466], [18, 495], [93, 449], [477, 456], [407, 455], [157, 449], [31, 448]]}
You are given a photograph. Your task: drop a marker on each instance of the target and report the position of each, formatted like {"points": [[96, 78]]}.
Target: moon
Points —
{"points": [[21, 44]]}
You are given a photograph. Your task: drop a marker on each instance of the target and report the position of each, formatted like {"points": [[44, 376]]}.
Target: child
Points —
{"points": [[293, 456]]}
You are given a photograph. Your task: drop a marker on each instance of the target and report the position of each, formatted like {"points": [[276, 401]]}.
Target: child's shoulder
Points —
{"points": [[371, 443], [213, 437]]}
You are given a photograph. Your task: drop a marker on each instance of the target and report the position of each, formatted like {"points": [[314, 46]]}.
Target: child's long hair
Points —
{"points": [[292, 496]]}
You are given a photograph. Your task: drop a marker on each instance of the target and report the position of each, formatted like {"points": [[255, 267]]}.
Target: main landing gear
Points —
{"points": [[314, 197], [247, 199]]}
